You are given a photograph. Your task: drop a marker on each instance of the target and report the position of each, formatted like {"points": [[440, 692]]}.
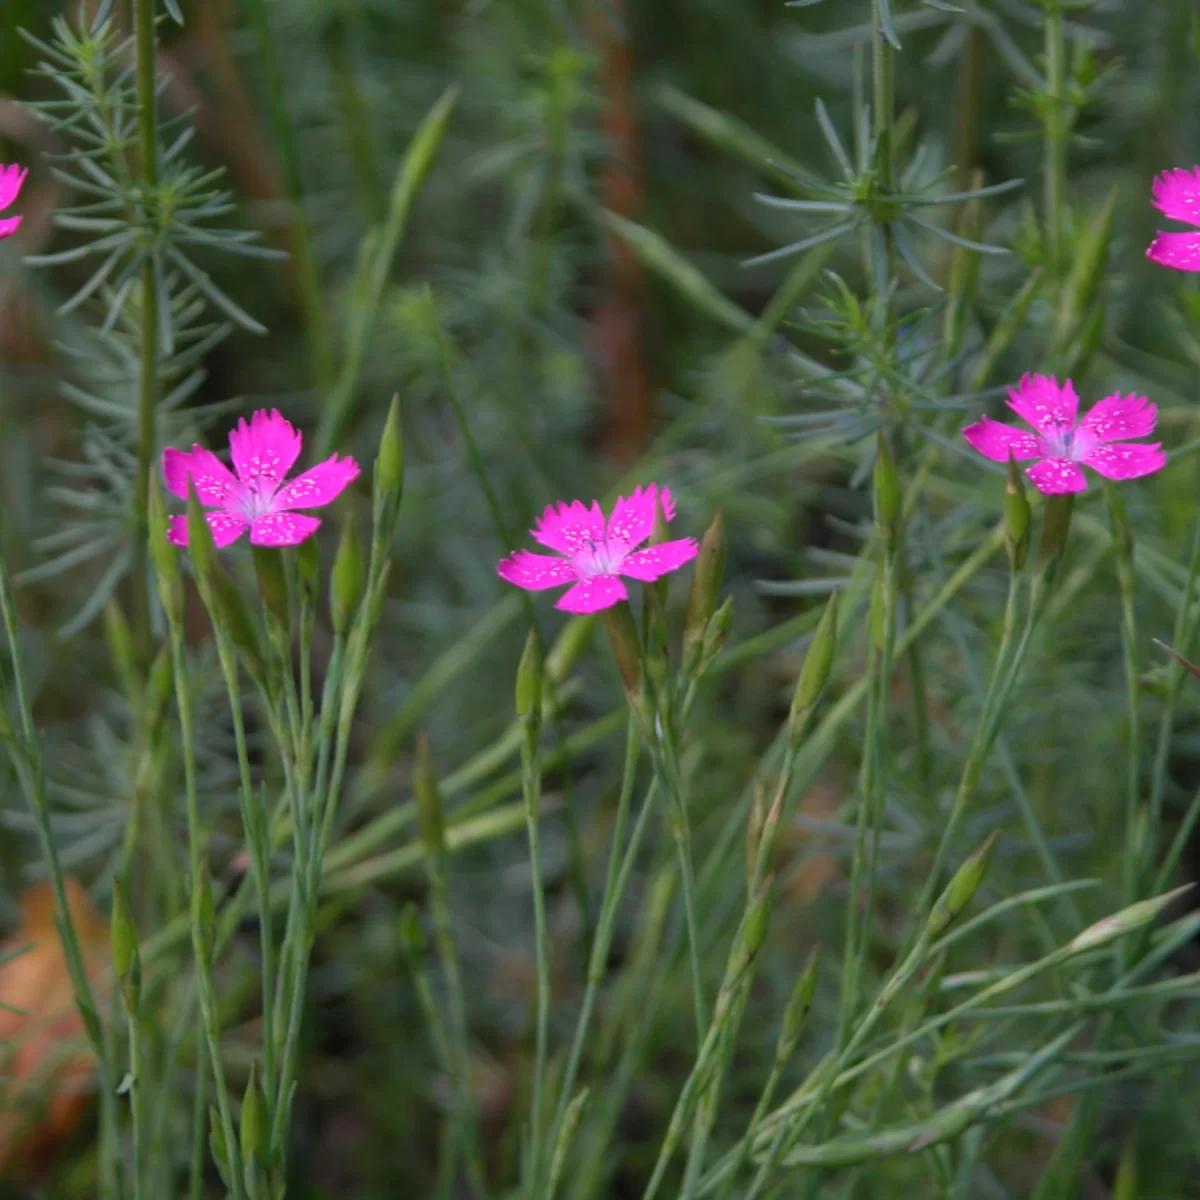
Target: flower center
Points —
{"points": [[257, 497], [599, 558]]}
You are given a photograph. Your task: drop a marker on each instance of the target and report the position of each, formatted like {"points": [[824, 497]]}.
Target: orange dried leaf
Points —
{"points": [[44, 1055]]}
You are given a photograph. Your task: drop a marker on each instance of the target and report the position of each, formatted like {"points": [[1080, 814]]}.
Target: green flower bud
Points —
{"points": [[961, 889], [412, 933], [253, 1132], [529, 679], [753, 933], [887, 490], [798, 1006], [272, 583], [162, 686], [217, 1147], [200, 540], [389, 464], [430, 820], [754, 830], [119, 637], [1016, 516], [818, 662], [716, 633], [164, 554], [308, 567], [623, 636], [346, 585], [126, 959], [204, 914], [707, 576], [1056, 525], [231, 614], [1126, 921]]}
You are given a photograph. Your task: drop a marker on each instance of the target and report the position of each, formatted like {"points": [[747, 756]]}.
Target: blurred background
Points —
{"points": [[587, 351]]}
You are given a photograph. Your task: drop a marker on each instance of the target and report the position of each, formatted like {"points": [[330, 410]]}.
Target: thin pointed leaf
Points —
{"points": [[818, 206], [885, 24], [834, 142], [914, 264], [231, 309], [981, 247], [825, 235]]}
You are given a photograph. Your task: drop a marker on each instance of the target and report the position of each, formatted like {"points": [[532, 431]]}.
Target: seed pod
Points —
{"points": [[818, 662], [165, 557], [1056, 525]]}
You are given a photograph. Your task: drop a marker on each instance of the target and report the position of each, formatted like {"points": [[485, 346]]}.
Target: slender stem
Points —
{"points": [[1004, 677], [26, 753], [532, 785], [147, 402], [137, 1102], [199, 1124], [1123, 551], [256, 839], [619, 867], [205, 985], [1055, 131]]}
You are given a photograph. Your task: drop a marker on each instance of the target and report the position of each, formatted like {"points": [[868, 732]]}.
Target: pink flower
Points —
{"points": [[1063, 443], [596, 553], [12, 179], [1177, 195], [257, 497]]}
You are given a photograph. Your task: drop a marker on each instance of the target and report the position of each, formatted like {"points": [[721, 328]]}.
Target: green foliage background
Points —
{"points": [[536, 293]]}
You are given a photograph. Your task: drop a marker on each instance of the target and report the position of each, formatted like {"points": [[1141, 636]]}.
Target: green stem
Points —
{"points": [[619, 868], [205, 985], [147, 400], [254, 824], [29, 764], [137, 1091], [532, 786]]}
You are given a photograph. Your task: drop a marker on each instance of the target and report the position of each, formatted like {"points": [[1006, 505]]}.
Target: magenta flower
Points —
{"points": [[1063, 443], [257, 497], [12, 178], [595, 553], [1177, 195]]}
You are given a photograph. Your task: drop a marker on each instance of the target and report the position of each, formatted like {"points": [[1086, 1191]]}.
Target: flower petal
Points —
{"points": [[1057, 476], [570, 528], [592, 594], [1177, 194], [264, 448], [1127, 460], [226, 527], [213, 480], [995, 440], [1178, 250], [9, 226], [535, 572], [632, 520], [282, 529], [319, 485], [12, 178], [1050, 407], [1115, 418], [655, 561]]}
